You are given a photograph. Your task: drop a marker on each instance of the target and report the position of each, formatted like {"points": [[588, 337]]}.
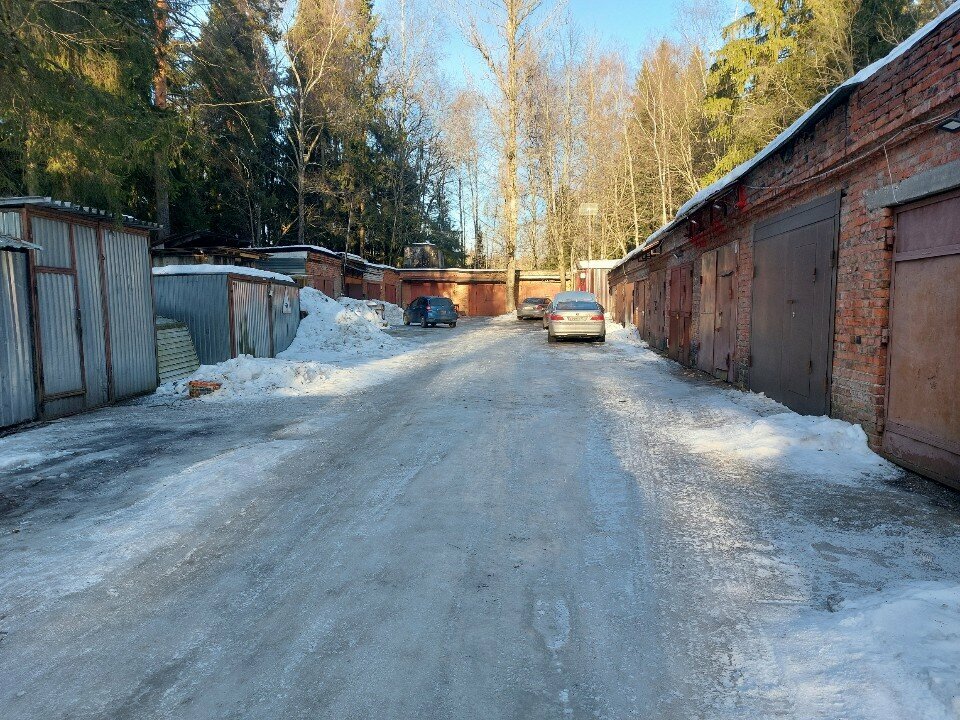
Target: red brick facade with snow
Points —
{"points": [[884, 133]]}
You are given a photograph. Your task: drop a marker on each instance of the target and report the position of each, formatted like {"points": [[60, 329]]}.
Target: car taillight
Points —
{"points": [[427, 308], [556, 317], [597, 317]]}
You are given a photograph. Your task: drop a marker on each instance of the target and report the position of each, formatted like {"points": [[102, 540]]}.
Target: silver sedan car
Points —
{"points": [[576, 315], [532, 308]]}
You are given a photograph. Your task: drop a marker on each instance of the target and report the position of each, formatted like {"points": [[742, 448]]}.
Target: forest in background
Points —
{"points": [[330, 121]]}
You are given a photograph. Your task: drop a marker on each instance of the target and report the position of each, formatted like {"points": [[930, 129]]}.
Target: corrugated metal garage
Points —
{"points": [[230, 310], [17, 393], [90, 321]]}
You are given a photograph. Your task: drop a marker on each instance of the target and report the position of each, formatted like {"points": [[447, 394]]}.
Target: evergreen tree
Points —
{"points": [[231, 94]]}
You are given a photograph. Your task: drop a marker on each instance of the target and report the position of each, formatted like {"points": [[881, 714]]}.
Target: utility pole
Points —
{"points": [[589, 210]]}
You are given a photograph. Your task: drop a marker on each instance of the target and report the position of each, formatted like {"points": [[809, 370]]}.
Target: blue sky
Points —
{"points": [[627, 24]]}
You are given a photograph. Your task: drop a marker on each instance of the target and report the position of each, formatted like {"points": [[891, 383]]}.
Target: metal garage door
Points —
{"points": [[922, 427], [657, 320], [793, 305], [681, 304], [718, 316]]}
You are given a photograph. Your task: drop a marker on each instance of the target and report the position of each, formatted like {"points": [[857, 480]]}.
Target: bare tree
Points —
{"points": [[310, 45], [503, 31]]}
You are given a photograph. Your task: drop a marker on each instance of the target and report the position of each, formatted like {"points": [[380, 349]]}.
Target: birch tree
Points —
{"points": [[503, 32]]}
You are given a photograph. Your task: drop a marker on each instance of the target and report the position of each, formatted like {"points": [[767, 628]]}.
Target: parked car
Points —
{"points": [[532, 308], [576, 315], [546, 315], [429, 311]]}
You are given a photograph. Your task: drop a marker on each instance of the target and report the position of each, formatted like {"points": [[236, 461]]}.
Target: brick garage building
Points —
{"points": [[475, 292], [310, 265], [825, 272]]}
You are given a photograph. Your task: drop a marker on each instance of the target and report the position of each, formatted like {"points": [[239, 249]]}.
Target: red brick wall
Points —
{"points": [[324, 274], [884, 133]]}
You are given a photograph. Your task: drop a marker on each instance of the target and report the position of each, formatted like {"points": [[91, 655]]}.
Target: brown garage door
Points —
{"points": [[718, 317], [793, 303], [657, 307], [922, 427], [681, 303]]}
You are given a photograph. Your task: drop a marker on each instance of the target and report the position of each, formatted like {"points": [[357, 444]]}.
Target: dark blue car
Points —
{"points": [[428, 311]]}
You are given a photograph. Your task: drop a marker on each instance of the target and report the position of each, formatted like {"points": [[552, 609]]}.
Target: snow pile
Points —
{"points": [[895, 654], [392, 314], [333, 330], [628, 338], [815, 445], [333, 340]]}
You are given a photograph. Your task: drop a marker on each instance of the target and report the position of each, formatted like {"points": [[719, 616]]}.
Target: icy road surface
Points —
{"points": [[504, 529]]}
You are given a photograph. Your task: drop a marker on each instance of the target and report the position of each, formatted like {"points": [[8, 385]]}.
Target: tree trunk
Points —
{"points": [[161, 164]]}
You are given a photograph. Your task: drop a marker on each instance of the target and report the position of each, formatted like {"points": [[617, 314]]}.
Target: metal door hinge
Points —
{"points": [[885, 336]]}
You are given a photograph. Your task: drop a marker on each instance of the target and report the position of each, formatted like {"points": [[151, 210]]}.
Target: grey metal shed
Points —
{"points": [[85, 334], [230, 310], [17, 394]]}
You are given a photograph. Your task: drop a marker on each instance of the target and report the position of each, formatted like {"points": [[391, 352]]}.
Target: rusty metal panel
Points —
{"points": [[92, 315], [251, 317], [708, 310], [922, 428], [18, 402], [793, 305], [130, 313], [200, 302], [61, 358], [678, 339], [286, 315], [658, 310], [54, 237], [10, 224], [725, 320]]}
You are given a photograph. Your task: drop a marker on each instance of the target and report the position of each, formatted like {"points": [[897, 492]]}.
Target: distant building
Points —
{"points": [[423, 255]]}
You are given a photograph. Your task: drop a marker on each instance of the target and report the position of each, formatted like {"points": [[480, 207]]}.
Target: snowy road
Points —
{"points": [[505, 529]]}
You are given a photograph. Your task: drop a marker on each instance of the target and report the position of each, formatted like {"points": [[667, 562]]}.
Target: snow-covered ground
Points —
{"points": [[341, 345], [508, 529], [887, 650]]}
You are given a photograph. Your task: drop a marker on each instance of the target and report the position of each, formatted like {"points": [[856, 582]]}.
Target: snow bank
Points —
{"points": [[628, 339], [221, 270], [815, 445], [749, 426], [334, 330], [895, 654], [332, 338]]}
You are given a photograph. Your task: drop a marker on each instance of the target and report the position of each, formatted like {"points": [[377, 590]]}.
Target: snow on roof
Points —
{"points": [[448, 269], [280, 249], [842, 90], [597, 264], [221, 270]]}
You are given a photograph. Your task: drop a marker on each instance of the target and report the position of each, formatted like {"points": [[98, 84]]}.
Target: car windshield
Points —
{"points": [[440, 302], [577, 305], [535, 301]]}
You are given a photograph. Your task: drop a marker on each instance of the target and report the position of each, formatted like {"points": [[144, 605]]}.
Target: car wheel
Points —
{"points": [[602, 338], [424, 323], [551, 337], [406, 320], [453, 324]]}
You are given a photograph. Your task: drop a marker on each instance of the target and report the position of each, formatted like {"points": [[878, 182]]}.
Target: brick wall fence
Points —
{"points": [[883, 133]]}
